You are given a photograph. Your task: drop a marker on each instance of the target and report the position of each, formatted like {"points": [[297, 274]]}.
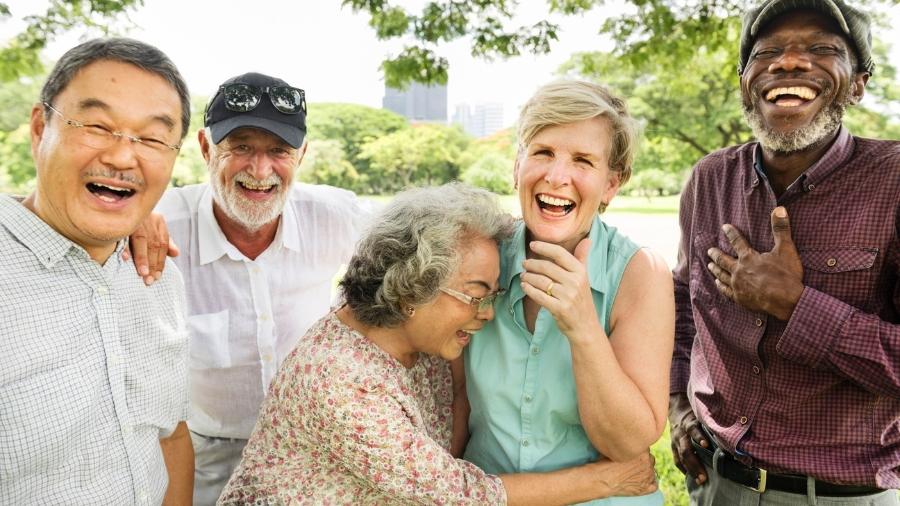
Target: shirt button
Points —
{"points": [[113, 359], [143, 496], [759, 322], [756, 369], [831, 262], [525, 442], [528, 397], [267, 357], [811, 187], [535, 350], [263, 317], [126, 429], [743, 420], [102, 290], [255, 270]]}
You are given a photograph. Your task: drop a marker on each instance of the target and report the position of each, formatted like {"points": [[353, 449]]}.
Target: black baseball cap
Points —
{"points": [[291, 128]]}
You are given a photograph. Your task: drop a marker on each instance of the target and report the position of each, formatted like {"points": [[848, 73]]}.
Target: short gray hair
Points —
{"points": [[567, 101], [134, 52], [413, 247]]}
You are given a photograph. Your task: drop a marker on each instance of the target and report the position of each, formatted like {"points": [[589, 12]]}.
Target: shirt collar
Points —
{"points": [[212, 241], [836, 155], [513, 254], [47, 245]]}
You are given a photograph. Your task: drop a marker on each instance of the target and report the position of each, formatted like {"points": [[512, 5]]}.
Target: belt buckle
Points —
{"points": [[761, 487]]}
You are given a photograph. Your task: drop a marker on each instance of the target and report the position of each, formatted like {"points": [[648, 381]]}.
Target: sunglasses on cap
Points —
{"points": [[241, 97]]}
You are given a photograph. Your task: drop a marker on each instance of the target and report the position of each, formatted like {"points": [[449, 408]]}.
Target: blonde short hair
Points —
{"points": [[567, 101]]}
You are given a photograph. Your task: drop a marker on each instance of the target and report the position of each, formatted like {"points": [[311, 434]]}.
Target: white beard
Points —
{"points": [[248, 214]]}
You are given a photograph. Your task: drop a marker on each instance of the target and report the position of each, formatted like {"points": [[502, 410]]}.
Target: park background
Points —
{"points": [[673, 59]]}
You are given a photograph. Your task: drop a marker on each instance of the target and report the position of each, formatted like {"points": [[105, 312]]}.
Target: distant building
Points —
{"points": [[418, 102], [479, 120]]}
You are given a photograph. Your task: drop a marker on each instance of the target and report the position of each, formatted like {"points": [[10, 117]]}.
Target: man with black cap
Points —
{"points": [[258, 254], [785, 385]]}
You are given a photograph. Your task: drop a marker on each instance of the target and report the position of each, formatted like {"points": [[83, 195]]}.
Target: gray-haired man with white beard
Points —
{"points": [[785, 382], [258, 254]]}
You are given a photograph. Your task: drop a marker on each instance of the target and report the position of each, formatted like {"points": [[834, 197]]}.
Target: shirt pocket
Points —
{"points": [[844, 273], [209, 340]]}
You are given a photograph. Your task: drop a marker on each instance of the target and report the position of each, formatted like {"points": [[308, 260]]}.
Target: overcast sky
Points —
{"points": [[331, 52]]}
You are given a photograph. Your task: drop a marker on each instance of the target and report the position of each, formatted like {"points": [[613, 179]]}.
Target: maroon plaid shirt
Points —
{"points": [[818, 395]]}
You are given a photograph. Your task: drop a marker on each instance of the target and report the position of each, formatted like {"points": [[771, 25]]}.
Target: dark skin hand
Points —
{"points": [[684, 427], [770, 282]]}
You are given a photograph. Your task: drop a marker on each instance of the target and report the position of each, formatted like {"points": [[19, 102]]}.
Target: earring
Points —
{"points": [[410, 311]]}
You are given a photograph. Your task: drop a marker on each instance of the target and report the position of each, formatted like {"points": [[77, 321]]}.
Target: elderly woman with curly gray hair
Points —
{"points": [[361, 412]]}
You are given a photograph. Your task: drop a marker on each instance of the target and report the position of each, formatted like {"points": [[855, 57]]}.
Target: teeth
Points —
{"points": [[252, 186], [113, 188], [800, 91], [553, 201]]}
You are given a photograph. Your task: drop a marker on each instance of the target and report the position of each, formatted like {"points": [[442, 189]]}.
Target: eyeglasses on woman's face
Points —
{"points": [[482, 303]]}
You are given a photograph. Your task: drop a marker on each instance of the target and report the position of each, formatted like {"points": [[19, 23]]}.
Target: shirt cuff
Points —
{"points": [[814, 326]]}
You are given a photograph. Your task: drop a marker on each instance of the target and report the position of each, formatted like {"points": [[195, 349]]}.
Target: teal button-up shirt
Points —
{"points": [[521, 386]]}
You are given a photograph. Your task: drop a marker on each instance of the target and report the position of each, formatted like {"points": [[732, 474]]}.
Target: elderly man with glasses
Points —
{"points": [[258, 253], [93, 378]]}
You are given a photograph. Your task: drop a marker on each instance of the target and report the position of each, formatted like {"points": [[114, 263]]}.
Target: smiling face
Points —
{"points": [[250, 172], [445, 326], [92, 196], [799, 80], [563, 179]]}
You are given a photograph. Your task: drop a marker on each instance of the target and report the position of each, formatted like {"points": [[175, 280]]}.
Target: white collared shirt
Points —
{"points": [[245, 316], [93, 370]]}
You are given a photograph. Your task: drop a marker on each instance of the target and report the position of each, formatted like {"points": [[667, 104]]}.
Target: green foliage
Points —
{"points": [[670, 479], [493, 172], [16, 100], [443, 21], [21, 54], [654, 183], [326, 163], [351, 124], [16, 167], [426, 154]]}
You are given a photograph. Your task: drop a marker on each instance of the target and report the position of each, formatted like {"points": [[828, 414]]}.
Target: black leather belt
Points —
{"points": [[759, 480]]}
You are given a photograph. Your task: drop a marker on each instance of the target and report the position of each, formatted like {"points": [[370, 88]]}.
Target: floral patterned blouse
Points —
{"points": [[345, 423]]}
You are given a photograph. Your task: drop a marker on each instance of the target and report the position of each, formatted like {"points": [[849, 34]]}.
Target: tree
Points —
{"points": [[692, 108], [326, 163], [648, 28], [21, 55], [351, 124], [425, 154]]}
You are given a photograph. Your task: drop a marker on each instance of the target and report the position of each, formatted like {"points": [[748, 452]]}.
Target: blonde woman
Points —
{"points": [[574, 368]]}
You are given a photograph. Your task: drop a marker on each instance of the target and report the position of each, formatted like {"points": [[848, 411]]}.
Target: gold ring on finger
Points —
{"points": [[549, 289]]}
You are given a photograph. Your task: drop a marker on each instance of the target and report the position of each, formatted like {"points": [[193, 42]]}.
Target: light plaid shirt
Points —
{"points": [[92, 370]]}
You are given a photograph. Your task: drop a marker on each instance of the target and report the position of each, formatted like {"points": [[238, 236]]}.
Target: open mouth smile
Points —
{"points": [[257, 188], [110, 193], [554, 206], [791, 96]]}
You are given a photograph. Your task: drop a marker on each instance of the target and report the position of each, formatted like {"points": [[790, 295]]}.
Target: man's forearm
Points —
{"points": [[178, 453]]}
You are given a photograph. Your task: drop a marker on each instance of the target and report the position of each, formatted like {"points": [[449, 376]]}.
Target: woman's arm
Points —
{"points": [[461, 409], [373, 436], [621, 379], [596, 480]]}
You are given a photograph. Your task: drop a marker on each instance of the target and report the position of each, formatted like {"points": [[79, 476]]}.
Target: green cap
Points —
{"points": [[855, 24]]}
